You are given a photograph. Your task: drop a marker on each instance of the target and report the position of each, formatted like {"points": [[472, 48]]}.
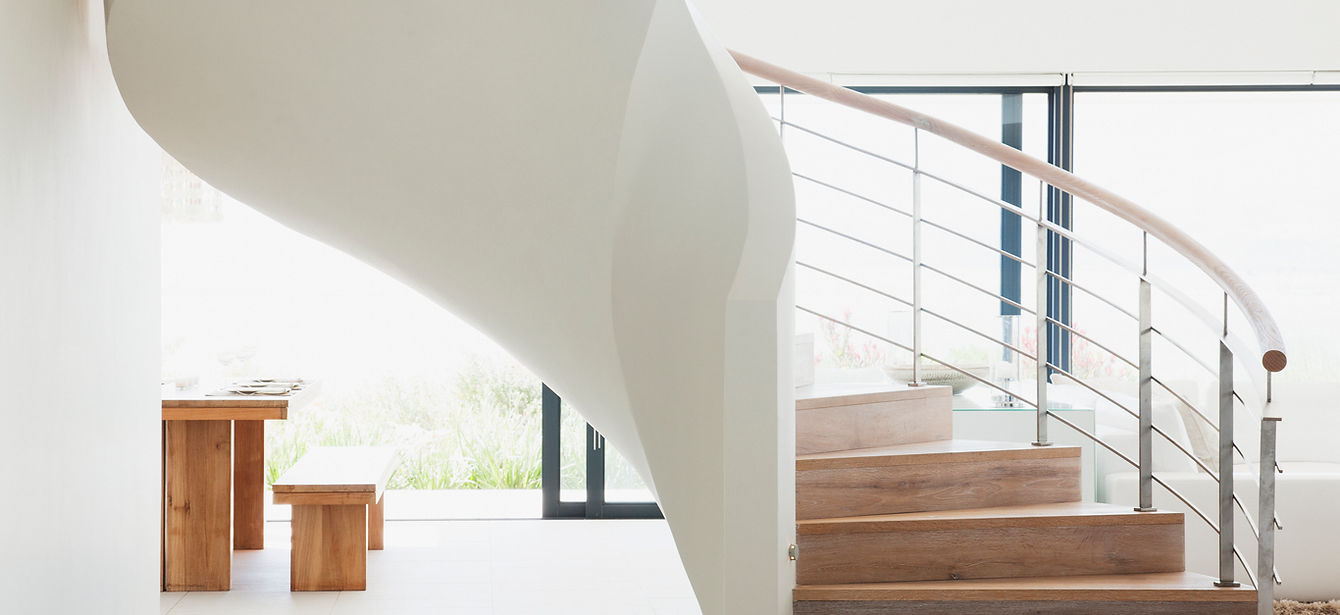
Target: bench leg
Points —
{"points": [[330, 548], [376, 523]]}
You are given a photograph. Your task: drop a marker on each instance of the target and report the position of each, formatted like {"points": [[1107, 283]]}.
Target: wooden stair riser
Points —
{"points": [[989, 552], [1020, 607], [918, 415], [851, 492]]}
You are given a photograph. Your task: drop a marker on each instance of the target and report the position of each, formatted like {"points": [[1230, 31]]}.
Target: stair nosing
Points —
{"points": [[1058, 514], [1199, 588], [890, 456]]}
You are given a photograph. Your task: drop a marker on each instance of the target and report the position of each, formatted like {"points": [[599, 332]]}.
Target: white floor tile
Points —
{"points": [[507, 567]]}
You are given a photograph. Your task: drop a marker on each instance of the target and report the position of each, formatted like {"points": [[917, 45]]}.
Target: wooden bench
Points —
{"points": [[338, 514]]}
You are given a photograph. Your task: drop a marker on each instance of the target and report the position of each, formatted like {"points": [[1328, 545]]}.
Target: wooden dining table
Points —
{"points": [[214, 482]]}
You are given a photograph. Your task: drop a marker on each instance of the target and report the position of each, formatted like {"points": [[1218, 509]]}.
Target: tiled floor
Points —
{"points": [[475, 568]]}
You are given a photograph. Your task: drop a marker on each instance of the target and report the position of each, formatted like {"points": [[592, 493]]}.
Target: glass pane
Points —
{"points": [[622, 482], [572, 456], [1251, 175], [842, 355]]}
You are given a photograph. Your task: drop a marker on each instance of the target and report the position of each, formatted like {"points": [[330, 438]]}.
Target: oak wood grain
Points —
{"points": [[938, 451], [377, 524], [249, 484], [1160, 586], [1023, 607], [225, 413], [197, 522], [334, 498], [886, 489], [1028, 515], [831, 426], [989, 552], [329, 548], [824, 395]]}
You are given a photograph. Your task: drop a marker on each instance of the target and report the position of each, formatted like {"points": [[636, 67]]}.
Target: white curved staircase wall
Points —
{"points": [[591, 184]]}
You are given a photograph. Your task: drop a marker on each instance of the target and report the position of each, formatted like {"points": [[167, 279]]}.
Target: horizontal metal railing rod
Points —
{"points": [[836, 141], [979, 289], [1189, 455], [1177, 445], [943, 180], [1168, 288], [855, 239], [1010, 207], [978, 242], [1175, 344], [1069, 282], [1271, 342], [986, 336], [942, 317], [1192, 407], [855, 328], [980, 380], [1210, 370], [909, 349], [1066, 422], [1175, 493], [855, 195], [1131, 266], [1076, 333], [1099, 441], [854, 283]]}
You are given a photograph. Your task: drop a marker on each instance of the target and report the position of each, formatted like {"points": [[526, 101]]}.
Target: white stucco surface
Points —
{"points": [[79, 444]]}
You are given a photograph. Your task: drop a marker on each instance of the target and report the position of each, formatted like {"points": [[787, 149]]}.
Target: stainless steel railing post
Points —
{"points": [[1042, 326], [916, 259], [1146, 386], [1265, 548], [1226, 459]]}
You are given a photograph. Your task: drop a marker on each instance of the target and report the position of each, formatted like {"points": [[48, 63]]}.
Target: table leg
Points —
{"points": [[197, 468], [249, 484]]}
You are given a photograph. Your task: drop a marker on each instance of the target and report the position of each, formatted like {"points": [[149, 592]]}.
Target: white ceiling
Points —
{"points": [[1032, 36]]}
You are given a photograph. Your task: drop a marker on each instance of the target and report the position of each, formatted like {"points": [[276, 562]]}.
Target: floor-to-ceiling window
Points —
{"points": [[853, 192], [245, 297], [1246, 170], [1250, 172]]}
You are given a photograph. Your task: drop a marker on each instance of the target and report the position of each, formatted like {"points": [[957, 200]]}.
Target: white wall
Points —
{"points": [[1030, 36], [78, 323]]}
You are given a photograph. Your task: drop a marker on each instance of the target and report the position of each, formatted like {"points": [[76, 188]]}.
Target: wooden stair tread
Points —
{"points": [[1161, 586], [845, 394], [1032, 515], [938, 451]]}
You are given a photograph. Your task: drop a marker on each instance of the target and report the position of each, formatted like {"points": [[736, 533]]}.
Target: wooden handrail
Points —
{"points": [[1273, 357]]}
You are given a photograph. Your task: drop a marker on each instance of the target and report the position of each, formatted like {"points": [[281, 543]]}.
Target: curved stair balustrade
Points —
{"points": [[1270, 348], [1269, 338]]}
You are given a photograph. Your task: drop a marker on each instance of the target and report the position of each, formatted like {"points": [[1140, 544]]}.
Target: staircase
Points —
{"points": [[894, 519]]}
